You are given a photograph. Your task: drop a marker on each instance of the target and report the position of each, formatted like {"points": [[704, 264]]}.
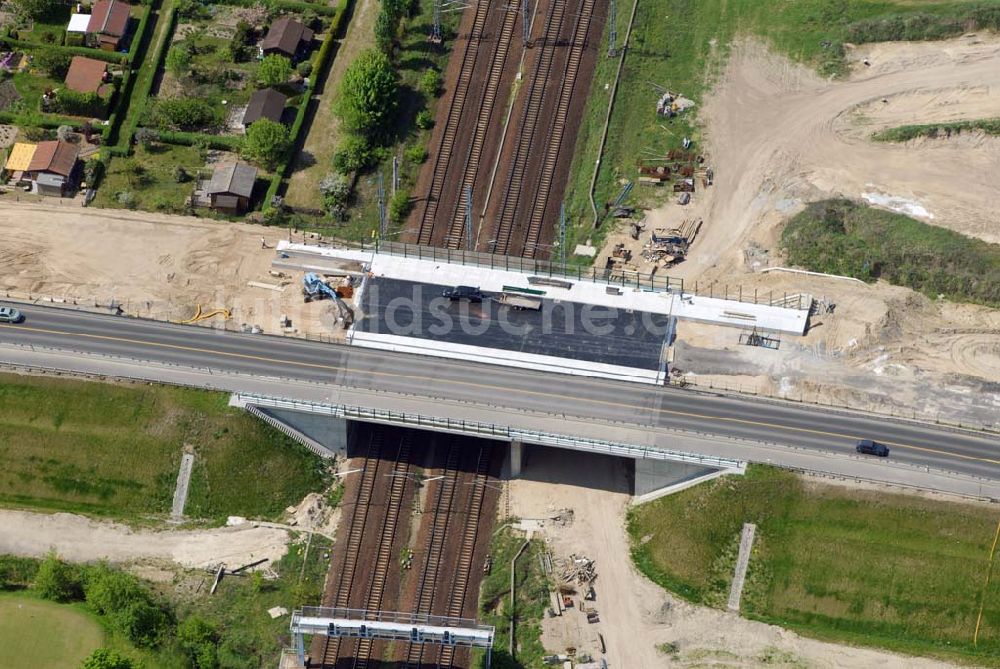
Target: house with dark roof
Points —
{"points": [[265, 103], [53, 167], [230, 188], [287, 37], [86, 75], [108, 24]]}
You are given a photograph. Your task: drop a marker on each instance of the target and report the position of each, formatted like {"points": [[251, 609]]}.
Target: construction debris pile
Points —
{"points": [[577, 570], [669, 246], [671, 104]]}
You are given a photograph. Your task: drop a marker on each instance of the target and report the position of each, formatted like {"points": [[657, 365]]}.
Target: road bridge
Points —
{"points": [[737, 428]]}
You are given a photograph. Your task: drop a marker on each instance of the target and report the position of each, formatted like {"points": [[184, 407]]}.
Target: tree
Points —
{"points": [[54, 62], [425, 120], [266, 142], [367, 100], [57, 580], [109, 590], [35, 9], [141, 622], [146, 137], [178, 61], [355, 153], [274, 70], [105, 658]]}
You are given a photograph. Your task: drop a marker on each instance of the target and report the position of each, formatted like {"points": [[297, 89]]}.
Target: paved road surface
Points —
{"points": [[632, 404]]}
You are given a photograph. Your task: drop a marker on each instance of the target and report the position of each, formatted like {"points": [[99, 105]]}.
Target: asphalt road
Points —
{"points": [[634, 404]]}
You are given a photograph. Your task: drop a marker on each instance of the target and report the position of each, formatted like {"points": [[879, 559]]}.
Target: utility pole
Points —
{"points": [[383, 221], [395, 175], [562, 233], [612, 32], [526, 21], [469, 241]]}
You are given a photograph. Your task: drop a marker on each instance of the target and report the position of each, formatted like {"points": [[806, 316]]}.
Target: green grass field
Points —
{"points": [[114, 450], [856, 566], [35, 633], [682, 44]]}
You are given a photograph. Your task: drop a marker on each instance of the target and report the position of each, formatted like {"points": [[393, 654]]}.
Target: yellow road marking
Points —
{"points": [[485, 386]]}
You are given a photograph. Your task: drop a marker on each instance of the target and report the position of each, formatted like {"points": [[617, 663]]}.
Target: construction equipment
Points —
{"points": [[315, 288]]}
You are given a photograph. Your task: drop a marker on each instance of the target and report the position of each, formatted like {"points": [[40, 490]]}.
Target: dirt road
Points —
{"points": [[637, 615], [79, 539]]}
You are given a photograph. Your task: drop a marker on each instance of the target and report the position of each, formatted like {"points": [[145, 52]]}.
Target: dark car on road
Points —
{"points": [[10, 315], [470, 293], [869, 447]]}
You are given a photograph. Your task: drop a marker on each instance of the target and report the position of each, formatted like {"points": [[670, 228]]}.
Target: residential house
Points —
{"points": [[230, 188], [287, 37], [265, 103], [108, 24], [53, 167], [86, 75]]}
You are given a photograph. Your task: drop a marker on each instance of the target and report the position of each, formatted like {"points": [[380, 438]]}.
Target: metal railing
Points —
{"points": [[487, 430]]}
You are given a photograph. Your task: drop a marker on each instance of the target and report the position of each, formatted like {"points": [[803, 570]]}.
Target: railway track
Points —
{"points": [[456, 603], [359, 517], [383, 557], [529, 123], [434, 547], [456, 234], [452, 123], [537, 217]]}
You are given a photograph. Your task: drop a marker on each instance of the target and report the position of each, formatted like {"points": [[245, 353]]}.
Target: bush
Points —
{"points": [[846, 238], [105, 658], [127, 604], [57, 580], [146, 137], [181, 175], [416, 154], [355, 154], [126, 198], [304, 68], [425, 120], [266, 142], [33, 134], [72, 103], [336, 191], [185, 114], [178, 62], [367, 100], [399, 206], [53, 61], [199, 639], [274, 70], [430, 83]]}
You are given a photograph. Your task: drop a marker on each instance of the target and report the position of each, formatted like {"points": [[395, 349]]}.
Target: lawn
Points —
{"points": [[847, 238], [682, 44], [157, 188], [857, 566], [114, 450], [27, 638], [51, 29], [31, 86], [532, 597]]}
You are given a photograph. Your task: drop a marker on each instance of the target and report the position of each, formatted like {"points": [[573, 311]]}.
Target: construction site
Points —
{"points": [[501, 150]]}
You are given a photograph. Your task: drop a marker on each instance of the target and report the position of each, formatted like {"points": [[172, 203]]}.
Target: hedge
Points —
{"points": [[97, 54], [290, 5], [140, 30], [321, 62], [139, 99], [220, 142], [47, 121]]}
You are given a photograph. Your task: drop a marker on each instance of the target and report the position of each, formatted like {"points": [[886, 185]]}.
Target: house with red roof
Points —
{"points": [[108, 24]]}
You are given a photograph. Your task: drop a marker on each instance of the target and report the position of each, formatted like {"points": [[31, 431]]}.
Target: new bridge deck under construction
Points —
{"points": [[560, 329], [389, 510]]}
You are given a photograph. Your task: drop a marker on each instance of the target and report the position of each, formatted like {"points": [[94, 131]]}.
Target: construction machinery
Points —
{"points": [[315, 288]]}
